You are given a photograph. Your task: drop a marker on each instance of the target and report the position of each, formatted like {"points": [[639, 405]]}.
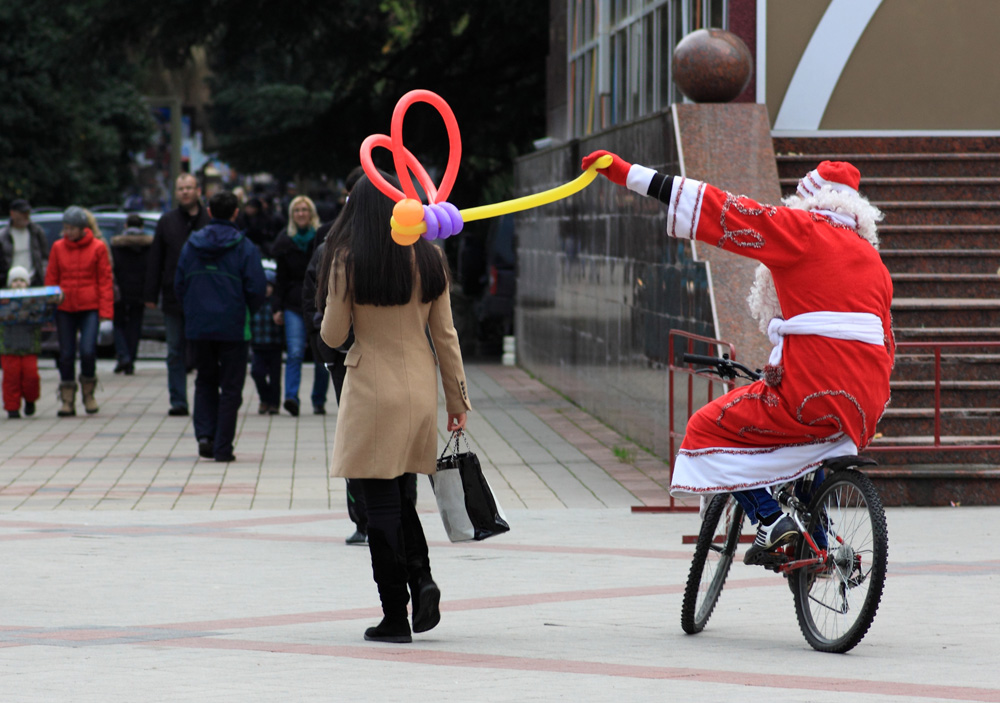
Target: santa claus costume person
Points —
{"points": [[822, 294]]}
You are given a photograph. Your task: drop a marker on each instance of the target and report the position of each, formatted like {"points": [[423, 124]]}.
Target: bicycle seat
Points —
{"points": [[847, 461]]}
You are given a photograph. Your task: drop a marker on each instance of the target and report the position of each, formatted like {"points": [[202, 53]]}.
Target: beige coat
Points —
{"points": [[387, 421]]}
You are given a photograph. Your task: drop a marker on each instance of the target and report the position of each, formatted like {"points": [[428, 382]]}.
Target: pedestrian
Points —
{"points": [[219, 283], [265, 352], [291, 253], [80, 266], [131, 259], [823, 296], [333, 359], [20, 345], [23, 243], [394, 296], [172, 231]]}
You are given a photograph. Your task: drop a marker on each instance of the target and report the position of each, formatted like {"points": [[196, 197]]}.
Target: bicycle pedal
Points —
{"points": [[770, 560]]}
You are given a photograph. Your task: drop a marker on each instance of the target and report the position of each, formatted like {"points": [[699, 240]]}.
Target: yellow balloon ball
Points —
{"points": [[408, 212]]}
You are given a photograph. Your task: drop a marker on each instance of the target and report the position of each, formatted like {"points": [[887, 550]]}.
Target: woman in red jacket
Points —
{"points": [[79, 265]]}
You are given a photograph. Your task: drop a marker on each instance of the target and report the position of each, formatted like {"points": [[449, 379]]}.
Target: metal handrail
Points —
{"points": [[937, 445], [672, 434]]}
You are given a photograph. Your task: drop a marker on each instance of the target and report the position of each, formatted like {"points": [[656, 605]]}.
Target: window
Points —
{"points": [[619, 53]]}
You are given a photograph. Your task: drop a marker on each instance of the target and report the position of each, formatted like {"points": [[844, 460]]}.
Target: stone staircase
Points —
{"points": [[941, 243]]}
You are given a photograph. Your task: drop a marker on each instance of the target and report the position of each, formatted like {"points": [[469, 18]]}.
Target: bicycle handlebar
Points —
{"points": [[724, 366]]}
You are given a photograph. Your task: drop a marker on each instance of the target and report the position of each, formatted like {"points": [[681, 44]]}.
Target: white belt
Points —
{"points": [[855, 326]]}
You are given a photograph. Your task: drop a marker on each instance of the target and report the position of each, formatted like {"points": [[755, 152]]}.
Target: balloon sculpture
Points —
{"points": [[440, 219]]}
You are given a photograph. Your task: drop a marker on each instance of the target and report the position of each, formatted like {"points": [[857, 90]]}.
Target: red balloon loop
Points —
{"points": [[375, 176], [454, 143]]}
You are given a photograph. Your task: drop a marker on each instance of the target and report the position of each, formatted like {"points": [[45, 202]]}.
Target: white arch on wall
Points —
{"points": [[819, 69]]}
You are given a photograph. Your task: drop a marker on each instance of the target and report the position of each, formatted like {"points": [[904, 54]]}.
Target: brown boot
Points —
{"points": [[67, 394], [87, 386]]}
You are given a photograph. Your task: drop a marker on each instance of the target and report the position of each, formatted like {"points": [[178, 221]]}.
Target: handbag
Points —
{"points": [[468, 506]]}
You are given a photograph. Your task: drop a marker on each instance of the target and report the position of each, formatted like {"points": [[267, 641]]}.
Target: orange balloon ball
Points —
{"points": [[408, 212], [404, 240]]}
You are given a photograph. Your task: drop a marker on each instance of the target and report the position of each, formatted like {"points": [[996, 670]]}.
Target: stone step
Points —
{"points": [[954, 394], [928, 212], [962, 335], [926, 484], [921, 189], [895, 237], [955, 366], [941, 260], [937, 312], [893, 165], [946, 285], [919, 422], [954, 449]]}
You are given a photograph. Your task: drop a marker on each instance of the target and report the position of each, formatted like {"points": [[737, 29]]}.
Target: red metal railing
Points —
{"points": [[712, 381], [937, 445]]}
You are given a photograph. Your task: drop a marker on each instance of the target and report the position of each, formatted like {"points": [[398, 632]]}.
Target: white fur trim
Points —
{"points": [[639, 178], [812, 183], [728, 469], [684, 209]]}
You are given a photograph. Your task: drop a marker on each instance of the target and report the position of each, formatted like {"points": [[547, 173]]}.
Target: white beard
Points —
{"points": [[763, 298]]}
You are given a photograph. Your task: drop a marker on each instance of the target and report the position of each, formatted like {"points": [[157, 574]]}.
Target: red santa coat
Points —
{"points": [[832, 392]]}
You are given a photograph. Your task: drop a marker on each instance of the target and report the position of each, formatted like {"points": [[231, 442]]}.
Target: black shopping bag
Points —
{"points": [[468, 506]]}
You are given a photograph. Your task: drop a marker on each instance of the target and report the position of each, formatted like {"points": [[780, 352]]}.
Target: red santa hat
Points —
{"points": [[838, 175]]}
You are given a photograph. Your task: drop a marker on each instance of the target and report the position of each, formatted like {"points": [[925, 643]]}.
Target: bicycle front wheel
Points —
{"points": [[836, 602], [713, 555]]}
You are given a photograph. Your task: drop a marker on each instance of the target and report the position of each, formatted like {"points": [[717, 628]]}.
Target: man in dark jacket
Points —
{"points": [[23, 243], [131, 256], [219, 283], [172, 231]]}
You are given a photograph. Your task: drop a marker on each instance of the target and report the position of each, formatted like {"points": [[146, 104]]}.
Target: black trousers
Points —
{"points": [[265, 369], [395, 536], [218, 391]]}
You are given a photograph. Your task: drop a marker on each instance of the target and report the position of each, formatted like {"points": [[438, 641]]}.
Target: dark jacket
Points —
{"points": [[131, 256], [39, 252], [292, 264], [172, 231], [220, 283], [313, 316]]}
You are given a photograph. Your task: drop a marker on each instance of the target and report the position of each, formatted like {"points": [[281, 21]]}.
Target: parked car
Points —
{"points": [[111, 223]]}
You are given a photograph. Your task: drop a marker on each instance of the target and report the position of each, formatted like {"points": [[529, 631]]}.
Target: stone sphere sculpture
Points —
{"points": [[712, 66]]}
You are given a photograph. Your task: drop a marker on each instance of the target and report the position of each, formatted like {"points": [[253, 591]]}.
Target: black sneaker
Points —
{"points": [[205, 447], [358, 537], [292, 406], [771, 536], [319, 410], [29, 408], [177, 411], [13, 415], [225, 459]]}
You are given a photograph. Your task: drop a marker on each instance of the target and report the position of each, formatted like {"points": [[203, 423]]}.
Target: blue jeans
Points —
{"points": [[295, 346], [757, 502], [218, 391], [68, 324], [176, 359]]}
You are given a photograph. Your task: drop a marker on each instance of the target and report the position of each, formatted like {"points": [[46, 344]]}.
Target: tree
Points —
{"points": [[298, 85], [69, 116]]}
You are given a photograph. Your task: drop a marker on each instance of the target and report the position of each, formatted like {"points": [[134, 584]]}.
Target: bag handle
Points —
{"points": [[458, 449]]}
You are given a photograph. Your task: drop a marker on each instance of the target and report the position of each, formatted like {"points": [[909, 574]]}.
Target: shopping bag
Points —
{"points": [[468, 506]]}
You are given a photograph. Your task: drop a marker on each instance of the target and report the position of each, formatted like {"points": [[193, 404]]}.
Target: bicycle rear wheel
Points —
{"points": [[836, 602], [713, 555]]}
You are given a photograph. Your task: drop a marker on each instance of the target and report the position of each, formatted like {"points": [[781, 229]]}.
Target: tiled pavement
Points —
{"points": [[133, 571]]}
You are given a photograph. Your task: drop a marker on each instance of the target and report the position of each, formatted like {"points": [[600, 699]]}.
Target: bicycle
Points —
{"points": [[835, 567]]}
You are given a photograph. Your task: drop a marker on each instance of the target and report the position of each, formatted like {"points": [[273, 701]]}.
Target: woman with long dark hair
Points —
{"points": [[388, 408]]}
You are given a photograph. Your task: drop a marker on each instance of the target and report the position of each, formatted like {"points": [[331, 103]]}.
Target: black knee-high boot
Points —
{"points": [[389, 571], [423, 591]]}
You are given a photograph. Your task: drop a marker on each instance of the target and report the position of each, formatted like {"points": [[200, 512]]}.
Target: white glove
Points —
{"points": [[105, 328]]}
